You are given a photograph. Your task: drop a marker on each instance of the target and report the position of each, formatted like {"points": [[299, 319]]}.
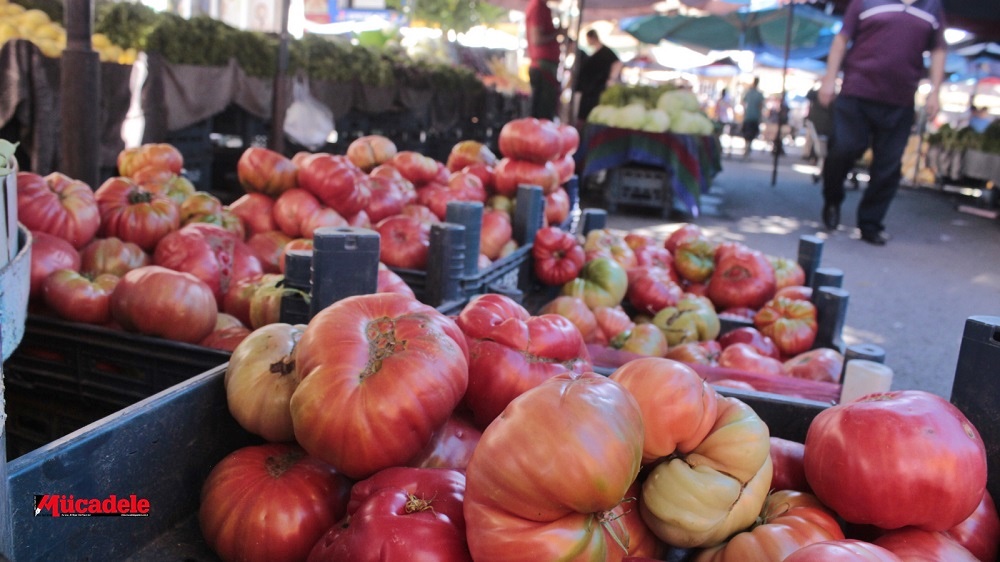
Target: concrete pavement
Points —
{"points": [[911, 297]]}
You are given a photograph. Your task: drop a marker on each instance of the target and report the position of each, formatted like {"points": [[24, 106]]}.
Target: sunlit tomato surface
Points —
{"points": [[59, 205]]}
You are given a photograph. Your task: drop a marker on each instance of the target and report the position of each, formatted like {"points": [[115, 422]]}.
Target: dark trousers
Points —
{"points": [[544, 93], [858, 124]]}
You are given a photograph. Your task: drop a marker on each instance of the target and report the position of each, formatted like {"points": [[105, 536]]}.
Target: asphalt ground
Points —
{"points": [[911, 297]]}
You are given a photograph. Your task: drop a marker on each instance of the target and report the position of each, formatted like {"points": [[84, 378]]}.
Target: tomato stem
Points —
{"points": [[283, 366], [382, 344]]}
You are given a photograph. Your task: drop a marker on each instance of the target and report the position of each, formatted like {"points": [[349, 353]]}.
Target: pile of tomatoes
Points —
{"points": [[397, 433]]}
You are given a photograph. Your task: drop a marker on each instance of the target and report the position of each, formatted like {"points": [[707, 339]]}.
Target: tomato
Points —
{"points": [[76, 298], [49, 253], [608, 243], [750, 335], [613, 323], [684, 233], [390, 282], [889, 459], [161, 302], [842, 550], [57, 205], [788, 521], [261, 170], [265, 302], [531, 140], [224, 321], [693, 318], [451, 446], [696, 352], [260, 379], [200, 203], [510, 173], [291, 210], [651, 289], [790, 323], [496, 230], [270, 502], [511, 352], [789, 472], [694, 260], [134, 214], [577, 312], [565, 169], [678, 407], [415, 167], [336, 182], [601, 282], [701, 498], [420, 212], [467, 186], [322, 217], [787, 273], [742, 278], [375, 399], [164, 182], [401, 514], [653, 256], [921, 545], [152, 155], [523, 502], [210, 253], [256, 212], [980, 532], [388, 196], [405, 242], [226, 339], [745, 357], [111, 255], [641, 540], [468, 152], [268, 247], [556, 255], [369, 151], [795, 292], [821, 364], [557, 207], [236, 301], [570, 138]]}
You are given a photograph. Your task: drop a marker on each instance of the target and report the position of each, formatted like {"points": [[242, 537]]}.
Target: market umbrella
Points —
{"points": [[722, 68], [982, 61]]}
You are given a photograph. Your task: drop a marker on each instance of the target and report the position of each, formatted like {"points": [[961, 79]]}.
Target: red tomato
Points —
{"points": [[696, 352], [468, 152], [889, 459], [270, 502], [557, 207], [742, 278], [260, 379], [164, 182], [744, 357], [845, 550], [76, 298], [420, 212], [557, 256], [789, 472], [269, 247], [467, 186], [520, 505], [485, 174], [577, 312], [495, 231], [151, 155], [236, 301], [512, 352], [651, 289], [390, 282], [570, 138], [261, 170], [320, 218], [255, 210], [398, 370], [405, 242], [565, 168], [226, 339], [210, 253], [199, 204], [750, 335], [921, 545], [789, 521], [415, 167], [111, 255], [161, 302], [510, 173], [388, 196], [608, 243], [57, 205], [369, 151], [265, 302], [686, 232], [653, 256], [795, 292], [612, 322], [790, 323], [134, 214], [821, 364], [451, 446], [419, 508], [336, 182], [436, 196], [291, 210], [980, 533], [531, 140], [49, 254]]}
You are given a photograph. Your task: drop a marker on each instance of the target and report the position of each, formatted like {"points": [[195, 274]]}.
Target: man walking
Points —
{"points": [[753, 112]]}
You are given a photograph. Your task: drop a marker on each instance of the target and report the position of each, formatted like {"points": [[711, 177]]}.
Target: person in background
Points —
{"points": [[882, 69], [724, 110], [980, 119], [597, 72], [544, 52], [753, 112]]}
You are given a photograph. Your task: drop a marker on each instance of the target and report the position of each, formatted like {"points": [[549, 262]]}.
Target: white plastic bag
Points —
{"points": [[307, 121]]}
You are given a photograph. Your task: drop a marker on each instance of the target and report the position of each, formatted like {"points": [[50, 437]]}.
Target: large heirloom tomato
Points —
{"points": [[261, 170], [415, 167], [270, 502], [375, 399], [210, 253], [291, 210], [468, 152], [741, 278], [57, 205], [842, 550], [389, 195], [511, 351], [164, 182], [49, 254], [692, 319], [651, 289], [111, 255], [260, 379], [893, 459], [151, 155], [790, 323], [451, 446], [608, 243], [577, 312], [531, 140], [602, 282], [920, 545], [401, 514], [79, 299], [369, 151], [134, 214], [157, 301], [510, 174], [789, 521], [406, 242], [694, 259], [980, 532], [255, 210], [524, 502], [558, 258], [337, 182]]}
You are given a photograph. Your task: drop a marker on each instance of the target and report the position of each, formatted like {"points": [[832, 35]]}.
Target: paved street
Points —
{"points": [[911, 297]]}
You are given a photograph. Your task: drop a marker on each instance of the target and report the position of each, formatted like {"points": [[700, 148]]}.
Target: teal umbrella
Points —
{"points": [[762, 31]]}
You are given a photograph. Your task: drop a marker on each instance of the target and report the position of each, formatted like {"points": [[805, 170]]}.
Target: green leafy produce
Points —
{"points": [[126, 24]]}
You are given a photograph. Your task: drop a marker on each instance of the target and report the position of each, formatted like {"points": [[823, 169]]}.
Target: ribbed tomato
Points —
{"points": [[134, 214], [59, 205]]}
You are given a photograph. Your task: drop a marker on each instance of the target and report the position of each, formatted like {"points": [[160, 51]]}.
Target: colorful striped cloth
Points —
{"points": [[692, 161]]}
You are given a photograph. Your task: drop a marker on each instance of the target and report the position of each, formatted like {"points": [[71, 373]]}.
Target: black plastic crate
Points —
{"points": [[640, 186]]}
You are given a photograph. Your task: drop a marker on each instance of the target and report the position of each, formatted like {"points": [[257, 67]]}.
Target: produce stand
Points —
{"points": [[658, 170]]}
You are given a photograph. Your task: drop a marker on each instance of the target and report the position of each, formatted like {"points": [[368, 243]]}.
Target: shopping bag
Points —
{"points": [[307, 121]]}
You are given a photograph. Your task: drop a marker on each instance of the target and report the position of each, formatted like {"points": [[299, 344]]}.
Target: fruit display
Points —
{"points": [[667, 108], [19, 22]]}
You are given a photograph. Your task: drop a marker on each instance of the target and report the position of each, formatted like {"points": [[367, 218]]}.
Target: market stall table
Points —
{"points": [[659, 170]]}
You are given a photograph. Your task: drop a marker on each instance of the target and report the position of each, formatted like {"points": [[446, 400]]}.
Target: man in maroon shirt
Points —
{"points": [[544, 51], [882, 67]]}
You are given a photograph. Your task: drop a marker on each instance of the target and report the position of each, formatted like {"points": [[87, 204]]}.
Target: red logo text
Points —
{"points": [[55, 505]]}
